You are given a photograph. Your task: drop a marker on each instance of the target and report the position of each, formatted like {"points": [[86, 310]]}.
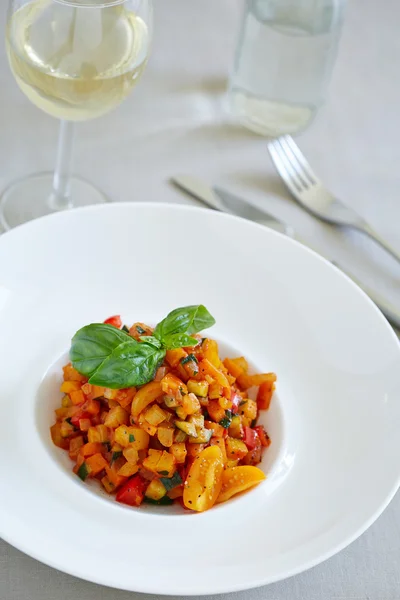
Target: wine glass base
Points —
{"points": [[31, 198]]}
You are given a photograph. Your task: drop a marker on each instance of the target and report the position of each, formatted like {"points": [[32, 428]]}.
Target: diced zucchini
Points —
{"points": [[170, 402], [171, 482], [197, 420], [156, 490], [203, 436], [180, 436], [164, 501], [187, 428], [200, 388]]}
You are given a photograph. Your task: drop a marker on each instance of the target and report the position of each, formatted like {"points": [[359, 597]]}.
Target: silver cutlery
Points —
{"points": [[223, 201], [311, 194]]}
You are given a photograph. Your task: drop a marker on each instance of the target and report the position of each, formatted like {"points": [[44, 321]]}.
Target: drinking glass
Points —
{"points": [[284, 61], [76, 60]]}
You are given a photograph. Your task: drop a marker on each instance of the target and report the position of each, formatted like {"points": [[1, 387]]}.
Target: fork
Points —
{"points": [[311, 194]]}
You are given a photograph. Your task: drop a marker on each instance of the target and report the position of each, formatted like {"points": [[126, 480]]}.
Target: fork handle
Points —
{"points": [[379, 240]]}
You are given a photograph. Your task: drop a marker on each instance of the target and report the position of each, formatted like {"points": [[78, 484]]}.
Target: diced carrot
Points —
{"points": [[77, 397], [93, 407], [233, 368], [217, 429], [171, 384], [207, 368], [215, 391], [264, 395], [247, 381], [99, 433], [139, 329], [128, 470], [174, 357], [61, 413], [193, 450], [108, 485], [175, 492], [112, 472], [70, 386], [216, 412], [71, 374], [181, 373], [57, 438], [66, 429], [145, 396], [85, 424], [96, 463], [190, 404], [74, 446], [91, 448], [116, 416], [125, 397]]}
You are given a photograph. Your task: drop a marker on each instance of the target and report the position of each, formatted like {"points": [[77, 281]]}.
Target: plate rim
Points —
{"points": [[207, 589]]}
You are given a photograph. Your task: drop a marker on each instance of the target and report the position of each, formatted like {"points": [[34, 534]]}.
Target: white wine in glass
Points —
{"points": [[76, 60]]}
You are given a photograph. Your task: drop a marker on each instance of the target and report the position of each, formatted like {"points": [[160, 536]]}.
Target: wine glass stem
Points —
{"points": [[60, 197]]}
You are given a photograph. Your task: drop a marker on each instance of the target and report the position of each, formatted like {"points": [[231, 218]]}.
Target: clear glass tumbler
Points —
{"points": [[284, 61], [76, 60]]}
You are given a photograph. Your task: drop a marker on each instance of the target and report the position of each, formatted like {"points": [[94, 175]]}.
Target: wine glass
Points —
{"points": [[76, 60]]}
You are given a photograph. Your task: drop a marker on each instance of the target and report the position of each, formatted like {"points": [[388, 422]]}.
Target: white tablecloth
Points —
{"points": [[175, 123]]}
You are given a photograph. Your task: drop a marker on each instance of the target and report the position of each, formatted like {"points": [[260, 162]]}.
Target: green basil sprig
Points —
{"points": [[111, 358]]}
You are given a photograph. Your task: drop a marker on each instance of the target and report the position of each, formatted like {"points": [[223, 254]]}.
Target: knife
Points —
{"points": [[223, 201]]}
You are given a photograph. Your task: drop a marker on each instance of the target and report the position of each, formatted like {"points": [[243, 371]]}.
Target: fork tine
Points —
{"points": [[292, 183], [289, 143], [290, 172]]}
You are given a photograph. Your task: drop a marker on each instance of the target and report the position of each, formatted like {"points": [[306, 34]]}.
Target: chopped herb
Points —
{"points": [[131, 438], [166, 473], [182, 391], [107, 445], [172, 482], [83, 471], [243, 402], [115, 456], [227, 420], [165, 501], [188, 358], [125, 328], [206, 415], [140, 330]]}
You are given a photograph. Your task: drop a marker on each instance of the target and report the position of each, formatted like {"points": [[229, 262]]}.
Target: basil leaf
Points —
{"points": [[92, 344], [130, 364], [188, 319], [150, 339], [179, 340]]}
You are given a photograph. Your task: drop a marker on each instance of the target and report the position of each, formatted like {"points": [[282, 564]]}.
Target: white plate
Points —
{"points": [[334, 462]]}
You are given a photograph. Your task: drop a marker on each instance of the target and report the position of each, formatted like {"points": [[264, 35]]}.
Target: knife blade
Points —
{"points": [[224, 201]]}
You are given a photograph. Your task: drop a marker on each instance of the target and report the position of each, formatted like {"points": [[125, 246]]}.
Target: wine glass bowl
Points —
{"points": [[75, 61]]}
